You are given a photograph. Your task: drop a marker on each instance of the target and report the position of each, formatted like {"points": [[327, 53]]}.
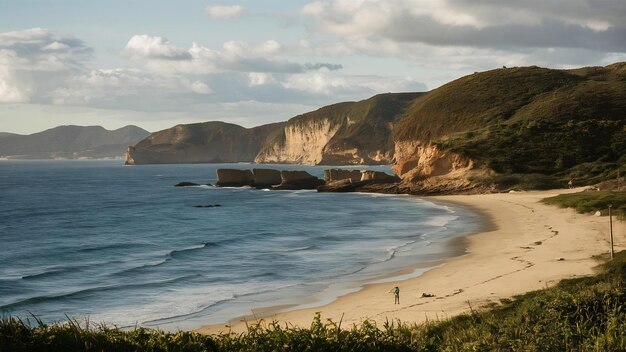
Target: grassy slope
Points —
{"points": [[579, 314], [529, 120], [592, 201]]}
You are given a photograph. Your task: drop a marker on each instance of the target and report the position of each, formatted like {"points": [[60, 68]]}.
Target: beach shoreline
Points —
{"points": [[523, 245]]}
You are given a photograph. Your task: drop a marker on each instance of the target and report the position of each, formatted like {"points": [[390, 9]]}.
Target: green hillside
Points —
{"points": [[518, 121]]}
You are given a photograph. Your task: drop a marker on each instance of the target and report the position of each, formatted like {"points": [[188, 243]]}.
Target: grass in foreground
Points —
{"points": [[585, 314]]}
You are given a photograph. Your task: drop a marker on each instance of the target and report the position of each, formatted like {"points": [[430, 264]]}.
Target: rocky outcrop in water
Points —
{"points": [[338, 180], [298, 180], [333, 175], [266, 177], [234, 178]]}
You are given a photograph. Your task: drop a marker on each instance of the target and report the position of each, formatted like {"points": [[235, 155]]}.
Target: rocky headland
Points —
{"points": [[492, 131]]}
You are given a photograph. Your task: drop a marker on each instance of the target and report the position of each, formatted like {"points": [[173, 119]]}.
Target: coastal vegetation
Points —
{"points": [[577, 314], [549, 125], [589, 202]]}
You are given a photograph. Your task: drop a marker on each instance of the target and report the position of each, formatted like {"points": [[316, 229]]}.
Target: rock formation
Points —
{"points": [[266, 177], [298, 180], [346, 133], [186, 184], [234, 178], [333, 175], [378, 176]]}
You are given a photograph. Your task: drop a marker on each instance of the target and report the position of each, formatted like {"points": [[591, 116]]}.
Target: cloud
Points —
{"points": [[321, 65], [9, 93], [200, 88], [225, 11], [36, 60], [154, 47], [160, 55], [583, 24]]}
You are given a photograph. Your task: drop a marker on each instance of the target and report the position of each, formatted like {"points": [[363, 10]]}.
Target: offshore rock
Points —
{"points": [[266, 177], [378, 176], [294, 180], [234, 178], [332, 175]]}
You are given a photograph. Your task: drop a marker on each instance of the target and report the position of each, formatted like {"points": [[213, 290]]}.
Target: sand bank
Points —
{"points": [[527, 246]]}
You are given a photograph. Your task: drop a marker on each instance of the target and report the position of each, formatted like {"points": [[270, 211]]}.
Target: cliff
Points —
{"points": [[70, 142], [209, 142], [340, 134], [526, 127]]}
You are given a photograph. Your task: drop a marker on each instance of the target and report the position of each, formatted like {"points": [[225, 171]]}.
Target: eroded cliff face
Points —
{"points": [[302, 144], [319, 142], [424, 168]]}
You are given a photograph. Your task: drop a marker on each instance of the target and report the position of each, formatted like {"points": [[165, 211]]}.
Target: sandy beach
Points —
{"points": [[527, 246]]}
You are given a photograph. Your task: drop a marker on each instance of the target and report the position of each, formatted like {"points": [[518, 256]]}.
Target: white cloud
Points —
{"points": [[160, 55], [35, 61], [225, 11], [154, 47], [201, 88], [9, 93], [259, 78]]}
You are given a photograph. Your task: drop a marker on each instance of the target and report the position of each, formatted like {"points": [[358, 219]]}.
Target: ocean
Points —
{"points": [[119, 244]]}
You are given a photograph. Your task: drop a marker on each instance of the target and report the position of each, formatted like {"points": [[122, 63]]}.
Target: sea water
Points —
{"points": [[119, 244]]}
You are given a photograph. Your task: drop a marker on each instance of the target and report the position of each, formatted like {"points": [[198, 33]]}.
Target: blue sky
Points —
{"points": [[156, 64]]}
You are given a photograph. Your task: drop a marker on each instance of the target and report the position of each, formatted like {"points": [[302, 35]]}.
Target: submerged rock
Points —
{"points": [[185, 184]]}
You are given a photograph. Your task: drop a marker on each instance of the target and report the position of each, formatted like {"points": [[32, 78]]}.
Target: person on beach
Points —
{"points": [[570, 184], [396, 294]]}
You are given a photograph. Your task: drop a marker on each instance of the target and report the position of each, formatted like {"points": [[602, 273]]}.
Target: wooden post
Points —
{"points": [[611, 227]]}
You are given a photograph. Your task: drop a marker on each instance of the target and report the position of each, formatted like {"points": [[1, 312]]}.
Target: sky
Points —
{"points": [[159, 63]]}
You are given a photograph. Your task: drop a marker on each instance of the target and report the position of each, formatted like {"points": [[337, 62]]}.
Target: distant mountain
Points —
{"points": [[71, 142], [208, 142]]}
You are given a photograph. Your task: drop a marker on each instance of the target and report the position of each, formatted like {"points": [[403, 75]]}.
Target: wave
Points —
{"points": [[297, 249], [45, 274], [168, 257], [98, 289], [106, 246], [60, 269], [191, 249]]}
